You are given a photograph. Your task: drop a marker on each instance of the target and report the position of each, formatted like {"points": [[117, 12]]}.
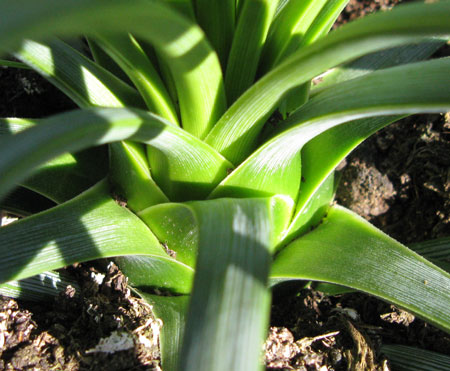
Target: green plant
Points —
{"points": [[203, 171]]}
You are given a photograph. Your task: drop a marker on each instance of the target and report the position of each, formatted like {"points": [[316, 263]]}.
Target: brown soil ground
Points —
{"points": [[399, 180]]}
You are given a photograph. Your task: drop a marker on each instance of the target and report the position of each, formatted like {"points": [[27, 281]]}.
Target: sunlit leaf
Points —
{"points": [[235, 134], [347, 250]]}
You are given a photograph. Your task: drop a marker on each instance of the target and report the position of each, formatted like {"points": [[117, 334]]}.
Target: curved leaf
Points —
{"points": [[379, 60], [236, 132], [320, 27], [438, 248], [82, 80], [176, 227], [347, 250], [128, 54], [133, 183], [41, 287], [88, 227], [65, 176], [405, 358], [248, 41], [194, 65], [194, 168], [275, 167], [6, 63], [23, 202], [320, 156], [287, 30], [150, 273], [217, 19], [89, 85]]}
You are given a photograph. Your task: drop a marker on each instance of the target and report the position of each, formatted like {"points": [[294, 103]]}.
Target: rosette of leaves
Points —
{"points": [[222, 199]]}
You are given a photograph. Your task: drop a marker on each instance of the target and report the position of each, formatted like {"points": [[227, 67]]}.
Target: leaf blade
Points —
{"points": [[193, 164], [235, 134], [348, 251], [230, 285], [88, 227]]}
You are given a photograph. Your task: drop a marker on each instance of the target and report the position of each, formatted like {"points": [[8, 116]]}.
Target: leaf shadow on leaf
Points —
{"points": [[49, 232]]}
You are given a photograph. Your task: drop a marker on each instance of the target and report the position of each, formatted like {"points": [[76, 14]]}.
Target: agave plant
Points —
{"points": [[207, 195]]}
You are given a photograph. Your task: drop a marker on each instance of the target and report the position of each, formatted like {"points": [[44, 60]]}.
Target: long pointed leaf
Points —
{"points": [[23, 202], [82, 80], [433, 249], [322, 154], [275, 167], [41, 287], [248, 42], [128, 54], [320, 27], [347, 250], [89, 85], [287, 30], [88, 227], [235, 134], [230, 302], [379, 60], [133, 183], [405, 358], [217, 19], [66, 176], [194, 65], [194, 168]]}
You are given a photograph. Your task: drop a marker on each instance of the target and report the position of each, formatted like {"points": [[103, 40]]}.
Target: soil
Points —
{"points": [[399, 180], [102, 327]]}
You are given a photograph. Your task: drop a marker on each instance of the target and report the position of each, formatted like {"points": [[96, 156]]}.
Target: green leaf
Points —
{"points": [[184, 7], [191, 169], [63, 177], [324, 21], [150, 273], [67, 175], [88, 227], [438, 248], [248, 42], [436, 251], [13, 125], [322, 154], [230, 302], [175, 225], [82, 80], [378, 92], [217, 19], [194, 65], [41, 287], [172, 311], [6, 63], [101, 58], [23, 202], [133, 183], [405, 358], [320, 27], [235, 134], [287, 30], [89, 85], [347, 250], [379, 60], [275, 167], [314, 206], [128, 54]]}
